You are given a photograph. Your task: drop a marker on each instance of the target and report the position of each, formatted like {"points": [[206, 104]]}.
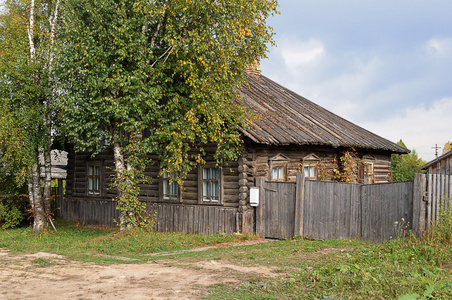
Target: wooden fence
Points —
{"points": [[168, 217], [194, 218], [434, 194], [332, 210], [317, 209], [57, 194]]}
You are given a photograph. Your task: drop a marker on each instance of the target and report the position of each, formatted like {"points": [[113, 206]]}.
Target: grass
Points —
{"points": [[304, 269], [103, 244]]}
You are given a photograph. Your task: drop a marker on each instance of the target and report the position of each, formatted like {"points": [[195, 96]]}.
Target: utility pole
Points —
{"points": [[436, 150]]}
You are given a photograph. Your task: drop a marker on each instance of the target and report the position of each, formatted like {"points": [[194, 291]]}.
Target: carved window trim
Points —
{"points": [[278, 168], [310, 166]]}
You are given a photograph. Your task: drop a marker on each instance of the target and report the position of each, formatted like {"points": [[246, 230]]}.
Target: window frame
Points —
{"points": [[310, 165], [162, 194], [278, 161], [201, 181], [311, 161], [367, 177], [89, 177]]}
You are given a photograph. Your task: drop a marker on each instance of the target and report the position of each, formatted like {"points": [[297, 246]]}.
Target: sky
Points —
{"points": [[383, 65]]}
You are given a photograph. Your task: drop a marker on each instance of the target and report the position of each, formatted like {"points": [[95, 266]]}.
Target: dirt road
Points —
{"points": [[49, 276]]}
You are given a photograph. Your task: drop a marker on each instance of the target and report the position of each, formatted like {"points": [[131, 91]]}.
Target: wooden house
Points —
{"points": [[440, 165], [290, 135]]}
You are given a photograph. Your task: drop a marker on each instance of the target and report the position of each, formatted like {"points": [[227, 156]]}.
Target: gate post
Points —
{"points": [[299, 203], [419, 208], [260, 209]]}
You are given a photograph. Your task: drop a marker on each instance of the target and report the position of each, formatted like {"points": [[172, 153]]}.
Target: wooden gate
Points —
{"points": [[333, 210], [279, 213]]}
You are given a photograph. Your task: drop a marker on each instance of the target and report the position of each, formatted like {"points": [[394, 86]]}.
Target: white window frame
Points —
{"points": [[205, 186]]}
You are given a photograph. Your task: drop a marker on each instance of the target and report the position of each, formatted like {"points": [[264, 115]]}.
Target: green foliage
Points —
{"points": [[26, 91], [441, 232], [347, 169], [13, 204], [405, 166], [157, 77]]}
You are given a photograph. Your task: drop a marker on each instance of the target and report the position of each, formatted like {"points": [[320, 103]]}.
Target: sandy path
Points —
{"points": [[21, 277]]}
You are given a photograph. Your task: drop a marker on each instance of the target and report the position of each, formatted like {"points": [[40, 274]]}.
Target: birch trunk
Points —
{"points": [[39, 220], [47, 181], [120, 168]]}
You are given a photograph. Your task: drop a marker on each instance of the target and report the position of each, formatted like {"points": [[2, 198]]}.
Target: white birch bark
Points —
{"points": [[39, 220], [31, 26], [120, 168]]}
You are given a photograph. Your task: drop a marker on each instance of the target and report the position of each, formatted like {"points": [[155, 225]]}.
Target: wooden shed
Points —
{"points": [[290, 135], [440, 165]]}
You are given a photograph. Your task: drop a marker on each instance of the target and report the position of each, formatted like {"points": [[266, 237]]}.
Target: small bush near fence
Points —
{"points": [[13, 205]]}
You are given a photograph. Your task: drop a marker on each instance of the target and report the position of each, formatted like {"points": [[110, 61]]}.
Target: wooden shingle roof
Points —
{"points": [[286, 118]]}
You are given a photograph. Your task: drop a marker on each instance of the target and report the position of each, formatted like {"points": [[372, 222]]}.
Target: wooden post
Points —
{"points": [[429, 201], [59, 198], [260, 209], [419, 204], [299, 201]]}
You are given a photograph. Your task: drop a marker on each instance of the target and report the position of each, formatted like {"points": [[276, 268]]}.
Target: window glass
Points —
{"points": [[278, 173], [93, 180], [210, 185], [170, 189], [309, 172]]}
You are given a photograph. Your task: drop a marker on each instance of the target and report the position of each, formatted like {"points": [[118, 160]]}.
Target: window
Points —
{"points": [[310, 163], [278, 167], [278, 173], [210, 184], [309, 172], [368, 177], [170, 190], [366, 172], [93, 179]]}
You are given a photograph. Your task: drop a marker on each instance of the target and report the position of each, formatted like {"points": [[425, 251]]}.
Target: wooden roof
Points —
{"points": [[286, 118], [436, 160]]}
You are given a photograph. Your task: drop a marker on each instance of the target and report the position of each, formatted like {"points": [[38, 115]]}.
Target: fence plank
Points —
{"points": [[299, 196], [260, 209]]}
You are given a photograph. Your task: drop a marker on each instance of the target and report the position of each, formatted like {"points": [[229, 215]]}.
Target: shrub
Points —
{"points": [[13, 205]]}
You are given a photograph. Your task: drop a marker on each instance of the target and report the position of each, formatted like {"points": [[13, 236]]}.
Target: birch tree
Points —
{"points": [[157, 77], [26, 87]]}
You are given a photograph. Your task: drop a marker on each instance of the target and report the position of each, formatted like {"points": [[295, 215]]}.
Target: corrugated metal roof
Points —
{"points": [[286, 118]]}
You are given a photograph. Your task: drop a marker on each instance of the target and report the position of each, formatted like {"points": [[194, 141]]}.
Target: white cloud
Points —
{"points": [[297, 54], [420, 127], [438, 47]]}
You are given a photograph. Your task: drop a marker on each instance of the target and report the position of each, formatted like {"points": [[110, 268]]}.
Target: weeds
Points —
{"points": [[41, 263]]}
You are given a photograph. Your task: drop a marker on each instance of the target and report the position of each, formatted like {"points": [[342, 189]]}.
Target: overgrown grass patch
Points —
{"points": [[346, 270], [93, 243]]}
